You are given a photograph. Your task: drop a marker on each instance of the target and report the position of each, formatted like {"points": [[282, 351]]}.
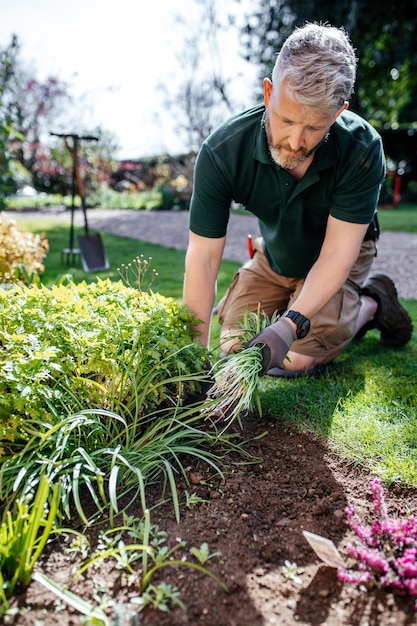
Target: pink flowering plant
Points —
{"points": [[386, 552]]}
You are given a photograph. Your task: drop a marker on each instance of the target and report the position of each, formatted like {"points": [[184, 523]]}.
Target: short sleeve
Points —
{"points": [[358, 180], [211, 198]]}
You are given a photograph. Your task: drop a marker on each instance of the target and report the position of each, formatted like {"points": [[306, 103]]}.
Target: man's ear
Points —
{"points": [[267, 91], [343, 108]]}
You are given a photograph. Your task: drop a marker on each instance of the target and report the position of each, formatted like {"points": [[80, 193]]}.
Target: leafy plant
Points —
{"points": [[128, 355], [386, 552], [23, 535], [192, 500], [21, 253], [154, 555], [161, 597], [290, 571], [203, 554], [114, 544], [79, 547], [100, 345]]}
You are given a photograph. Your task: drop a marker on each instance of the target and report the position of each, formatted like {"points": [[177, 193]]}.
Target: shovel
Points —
{"points": [[93, 256]]}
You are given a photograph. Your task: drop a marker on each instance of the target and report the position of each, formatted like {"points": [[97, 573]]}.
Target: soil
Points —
{"points": [[255, 519]]}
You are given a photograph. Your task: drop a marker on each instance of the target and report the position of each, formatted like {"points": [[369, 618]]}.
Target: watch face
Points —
{"points": [[304, 328]]}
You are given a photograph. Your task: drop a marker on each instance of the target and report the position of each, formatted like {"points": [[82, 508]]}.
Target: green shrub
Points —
{"points": [[38, 201], [103, 197], [107, 198], [101, 345], [21, 253]]}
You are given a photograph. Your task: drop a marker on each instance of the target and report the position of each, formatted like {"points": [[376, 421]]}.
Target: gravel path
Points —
{"points": [[397, 252]]}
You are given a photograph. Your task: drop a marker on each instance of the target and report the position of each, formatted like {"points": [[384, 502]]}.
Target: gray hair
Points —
{"points": [[318, 64]]}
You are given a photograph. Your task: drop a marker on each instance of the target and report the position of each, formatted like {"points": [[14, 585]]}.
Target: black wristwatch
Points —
{"points": [[302, 323]]}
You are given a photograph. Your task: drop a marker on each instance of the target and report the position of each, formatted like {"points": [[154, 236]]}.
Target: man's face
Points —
{"points": [[293, 131]]}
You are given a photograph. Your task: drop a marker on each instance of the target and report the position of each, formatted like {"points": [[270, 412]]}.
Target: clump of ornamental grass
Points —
{"points": [[386, 551], [236, 376], [236, 386], [24, 532]]}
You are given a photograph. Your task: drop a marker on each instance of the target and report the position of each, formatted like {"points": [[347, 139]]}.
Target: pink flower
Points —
{"points": [[387, 549]]}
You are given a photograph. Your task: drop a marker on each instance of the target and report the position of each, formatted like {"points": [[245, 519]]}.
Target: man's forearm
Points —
{"points": [[329, 273], [198, 295], [200, 304], [202, 264], [322, 283]]}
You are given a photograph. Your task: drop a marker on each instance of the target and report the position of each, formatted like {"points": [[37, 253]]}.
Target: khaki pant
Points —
{"points": [[331, 328]]}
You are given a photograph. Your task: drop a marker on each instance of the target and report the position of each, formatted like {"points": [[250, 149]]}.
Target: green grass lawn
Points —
{"points": [[167, 262], [401, 219], [367, 407]]}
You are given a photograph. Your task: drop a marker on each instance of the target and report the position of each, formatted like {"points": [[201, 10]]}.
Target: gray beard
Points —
{"points": [[289, 162]]}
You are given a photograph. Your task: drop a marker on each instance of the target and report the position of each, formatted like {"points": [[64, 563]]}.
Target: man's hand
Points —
{"points": [[274, 341]]}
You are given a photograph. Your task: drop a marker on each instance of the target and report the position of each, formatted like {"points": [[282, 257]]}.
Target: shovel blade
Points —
{"points": [[93, 256]]}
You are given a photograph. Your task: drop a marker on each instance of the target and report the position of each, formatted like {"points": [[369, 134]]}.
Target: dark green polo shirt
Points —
{"points": [[343, 180]]}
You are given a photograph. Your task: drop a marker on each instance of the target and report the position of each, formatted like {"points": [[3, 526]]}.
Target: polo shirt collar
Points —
{"points": [[326, 155], [261, 150]]}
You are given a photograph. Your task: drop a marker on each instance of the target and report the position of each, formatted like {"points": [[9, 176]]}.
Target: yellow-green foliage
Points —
{"points": [[21, 253], [105, 345]]}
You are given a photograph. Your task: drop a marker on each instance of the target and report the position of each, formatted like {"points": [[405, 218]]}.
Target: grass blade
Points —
{"points": [[146, 535], [76, 492], [174, 492], [113, 487], [70, 598]]}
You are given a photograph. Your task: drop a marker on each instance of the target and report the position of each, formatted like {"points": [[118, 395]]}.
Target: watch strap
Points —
{"points": [[302, 322]]}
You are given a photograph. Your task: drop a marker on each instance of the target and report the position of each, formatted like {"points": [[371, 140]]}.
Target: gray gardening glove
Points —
{"points": [[277, 340]]}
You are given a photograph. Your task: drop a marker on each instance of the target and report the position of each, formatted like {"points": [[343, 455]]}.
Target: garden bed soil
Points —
{"points": [[255, 518]]}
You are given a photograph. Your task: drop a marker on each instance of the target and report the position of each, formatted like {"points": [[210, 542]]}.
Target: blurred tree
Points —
{"points": [[29, 110], [382, 33], [9, 117], [202, 97], [41, 104]]}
